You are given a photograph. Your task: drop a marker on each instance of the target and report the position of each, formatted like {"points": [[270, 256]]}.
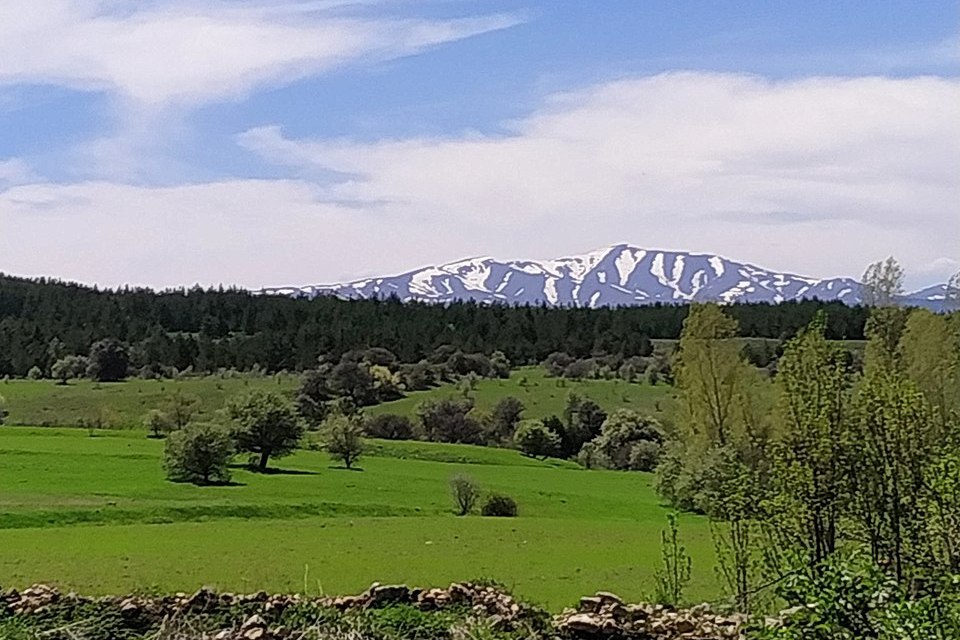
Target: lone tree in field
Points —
{"points": [[266, 425], [466, 492], [200, 454], [343, 439], [109, 360]]}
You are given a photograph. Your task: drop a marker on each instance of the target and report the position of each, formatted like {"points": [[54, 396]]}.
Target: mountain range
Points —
{"points": [[620, 275]]}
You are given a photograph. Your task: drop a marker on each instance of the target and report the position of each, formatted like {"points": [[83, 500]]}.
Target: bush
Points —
{"points": [[389, 426], [3, 410], [69, 367], [465, 492], [500, 506], [199, 454], [644, 456], [35, 373], [157, 423], [448, 420], [343, 439], [534, 439]]}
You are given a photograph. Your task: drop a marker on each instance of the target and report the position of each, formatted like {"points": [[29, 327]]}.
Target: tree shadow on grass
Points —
{"points": [[340, 467], [273, 471]]}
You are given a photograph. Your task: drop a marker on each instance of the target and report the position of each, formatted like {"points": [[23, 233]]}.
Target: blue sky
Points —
{"points": [[268, 142]]}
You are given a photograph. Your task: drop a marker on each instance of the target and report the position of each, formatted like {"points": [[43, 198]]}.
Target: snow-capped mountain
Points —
{"points": [[614, 276]]}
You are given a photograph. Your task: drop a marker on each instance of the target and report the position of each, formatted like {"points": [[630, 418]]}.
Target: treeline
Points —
{"points": [[42, 321]]}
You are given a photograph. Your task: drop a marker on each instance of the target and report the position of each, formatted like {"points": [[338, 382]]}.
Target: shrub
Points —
{"points": [[644, 456], [465, 492], [199, 454], [35, 373], [500, 506], [619, 435], [69, 367], [157, 423], [448, 420], [3, 410], [504, 419], [389, 426], [343, 439], [534, 439]]}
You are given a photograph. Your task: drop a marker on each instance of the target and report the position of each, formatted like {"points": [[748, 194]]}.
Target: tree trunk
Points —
{"points": [[262, 465]]}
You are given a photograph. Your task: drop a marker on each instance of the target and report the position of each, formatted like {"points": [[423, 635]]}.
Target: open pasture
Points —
{"points": [[94, 513]]}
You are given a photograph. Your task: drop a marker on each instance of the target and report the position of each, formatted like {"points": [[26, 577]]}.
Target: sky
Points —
{"points": [[274, 142]]}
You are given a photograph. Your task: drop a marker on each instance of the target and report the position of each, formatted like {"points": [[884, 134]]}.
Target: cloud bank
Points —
{"points": [[192, 53], [818, 176]]}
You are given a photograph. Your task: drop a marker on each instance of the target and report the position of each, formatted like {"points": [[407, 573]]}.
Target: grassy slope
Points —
{"points": [[543, 396], [123, 404], [578, 531], [120, 404]]}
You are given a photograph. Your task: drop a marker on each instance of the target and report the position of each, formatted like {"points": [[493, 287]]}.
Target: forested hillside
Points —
{"points": [[43, 320]]}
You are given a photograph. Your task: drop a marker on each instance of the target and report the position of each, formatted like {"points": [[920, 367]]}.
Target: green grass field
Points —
{"points": [[95, 514]]}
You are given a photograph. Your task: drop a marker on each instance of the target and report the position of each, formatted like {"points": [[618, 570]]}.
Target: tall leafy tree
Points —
{"points": [[811, 470], [266, 425]]}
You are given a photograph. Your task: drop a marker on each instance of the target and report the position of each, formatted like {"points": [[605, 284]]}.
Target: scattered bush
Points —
{"points": [[157, 423], [465, 492], [389, 426], [35, 373], [199, 454], [343, 439], [500, 506]]}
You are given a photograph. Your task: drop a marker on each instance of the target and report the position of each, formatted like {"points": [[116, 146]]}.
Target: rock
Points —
{"points": [[583, 623], [379, 595], [609, 598], [590, 604]]}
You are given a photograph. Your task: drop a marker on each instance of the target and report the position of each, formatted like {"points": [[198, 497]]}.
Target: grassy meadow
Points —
{"points": [[123, 404], [95, 514]]}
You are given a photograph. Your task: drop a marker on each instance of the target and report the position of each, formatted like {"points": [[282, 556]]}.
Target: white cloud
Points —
{"points": [[818, 176], [188, 53]]}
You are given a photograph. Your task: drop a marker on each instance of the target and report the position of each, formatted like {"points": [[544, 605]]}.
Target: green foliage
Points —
{"points": [[389, 426], [198, 453], [35, 373], [848, 598], [109, 360], [266, 425], [466, 493], [449, 420], [629, 441], [157, 423], [534, 439], [504, 418], [673, 575], [69, 367], [343, 439], [500, 506]]}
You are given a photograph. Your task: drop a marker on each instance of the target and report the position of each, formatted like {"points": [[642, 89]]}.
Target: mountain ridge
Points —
{"points": [[618, 275]]}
